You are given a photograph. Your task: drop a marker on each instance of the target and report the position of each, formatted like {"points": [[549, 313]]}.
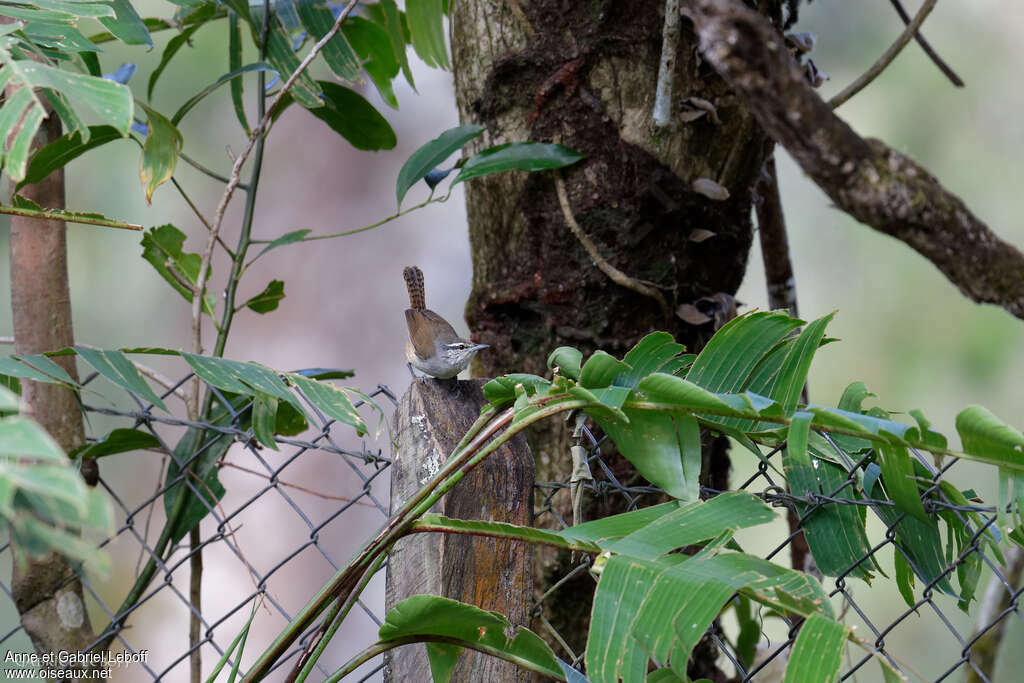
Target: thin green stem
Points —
{"points": [[199, 214], [379, 648], [334, 619], [205, 171], [67, 217], [432, 200], [455, 468]]}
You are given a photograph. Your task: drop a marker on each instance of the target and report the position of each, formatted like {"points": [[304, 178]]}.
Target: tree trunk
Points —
{"points": [[585, 74], [46, 591]]}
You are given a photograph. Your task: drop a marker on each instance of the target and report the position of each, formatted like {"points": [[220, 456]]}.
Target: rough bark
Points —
{"points": [[584, 74], [866, 178], [46, 591], [493, 574]]}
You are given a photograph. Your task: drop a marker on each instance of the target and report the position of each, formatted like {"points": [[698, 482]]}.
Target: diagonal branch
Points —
{"points": [[867, 179], [886, 59], [236, 171], [928, 49]]}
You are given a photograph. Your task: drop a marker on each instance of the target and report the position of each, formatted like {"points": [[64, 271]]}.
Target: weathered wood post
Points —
{"points": [[493, 574]]}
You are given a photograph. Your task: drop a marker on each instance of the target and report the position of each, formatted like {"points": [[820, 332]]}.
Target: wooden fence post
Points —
{"points": [[493, 574]]}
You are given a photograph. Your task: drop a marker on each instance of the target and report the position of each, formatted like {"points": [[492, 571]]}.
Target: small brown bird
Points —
{"points": [[433, 347]]}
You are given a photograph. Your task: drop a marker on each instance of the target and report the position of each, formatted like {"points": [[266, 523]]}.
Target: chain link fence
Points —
{"points": [[289, 520], [291, 517], [931, 640]]}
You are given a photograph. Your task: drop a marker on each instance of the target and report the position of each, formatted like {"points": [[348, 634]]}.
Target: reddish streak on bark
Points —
{"points": [[566, 76]]}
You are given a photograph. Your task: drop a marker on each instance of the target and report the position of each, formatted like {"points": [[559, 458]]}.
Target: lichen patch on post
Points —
{"points": [[431, 466], [70, 610]]}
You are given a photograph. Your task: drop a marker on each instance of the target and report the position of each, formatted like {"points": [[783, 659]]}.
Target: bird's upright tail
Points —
{"points": [[414, 283]]}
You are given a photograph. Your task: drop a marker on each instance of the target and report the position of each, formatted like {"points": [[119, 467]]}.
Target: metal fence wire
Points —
{"points": [[890, 627], [276, 572], [277, 495]]}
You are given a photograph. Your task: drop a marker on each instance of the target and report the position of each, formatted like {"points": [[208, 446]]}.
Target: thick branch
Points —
{"points": [[867, 179]]}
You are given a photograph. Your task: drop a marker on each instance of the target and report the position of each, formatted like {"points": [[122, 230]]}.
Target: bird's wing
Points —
{"points": [[420, 330]]}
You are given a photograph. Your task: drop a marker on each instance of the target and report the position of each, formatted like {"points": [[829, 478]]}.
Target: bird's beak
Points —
{"points": [[478, 347]]}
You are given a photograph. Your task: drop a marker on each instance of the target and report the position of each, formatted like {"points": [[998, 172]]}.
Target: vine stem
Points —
{"points": [[470, 452], [879, 66], [236, 170]]}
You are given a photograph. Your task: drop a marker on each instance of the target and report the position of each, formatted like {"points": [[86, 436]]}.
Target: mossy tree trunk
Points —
{"points": [[584, 74]]}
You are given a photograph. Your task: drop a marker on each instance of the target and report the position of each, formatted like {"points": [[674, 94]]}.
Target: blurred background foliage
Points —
{"points": [[905, 331]]}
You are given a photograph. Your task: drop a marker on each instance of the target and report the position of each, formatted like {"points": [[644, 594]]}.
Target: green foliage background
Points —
{"points": [[905, 331]]}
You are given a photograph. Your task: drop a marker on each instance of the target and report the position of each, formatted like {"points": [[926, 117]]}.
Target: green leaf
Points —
{"points": [[330, 400], [617, 526], [470, 627], [10, 388], [62, 107], [37, 15], [435, 522], [769, 584], [426, 26], [285, 62], [126, 24], [199, 482], [443, 657], [931, 438], [662, 388], [117, 441], [904, 579], [160, 152], [373, 45], [818, 651], [692, 523], [248, 378], [318, 20], [237, 644], [267, 300], [729, 358], [501, 390], [517, 156], [611, 653], [22, 437], [112, 101], [162, 247], [78, 9], [199, 96], [26, 207], [392, 19], [61, 37], [116, 367], [568, 361], [234, 64], [835, 533], [657, 352], [897, 475], [11, 367], [675, 614], [600, 369], [750, 631], [173, 45], [429, 156], [922, 544], [287, 238], [986, 438], [657, 444], [65, 149], [355, 119], [793, 373], [45, 365], [264, 419], [853, 397]]}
